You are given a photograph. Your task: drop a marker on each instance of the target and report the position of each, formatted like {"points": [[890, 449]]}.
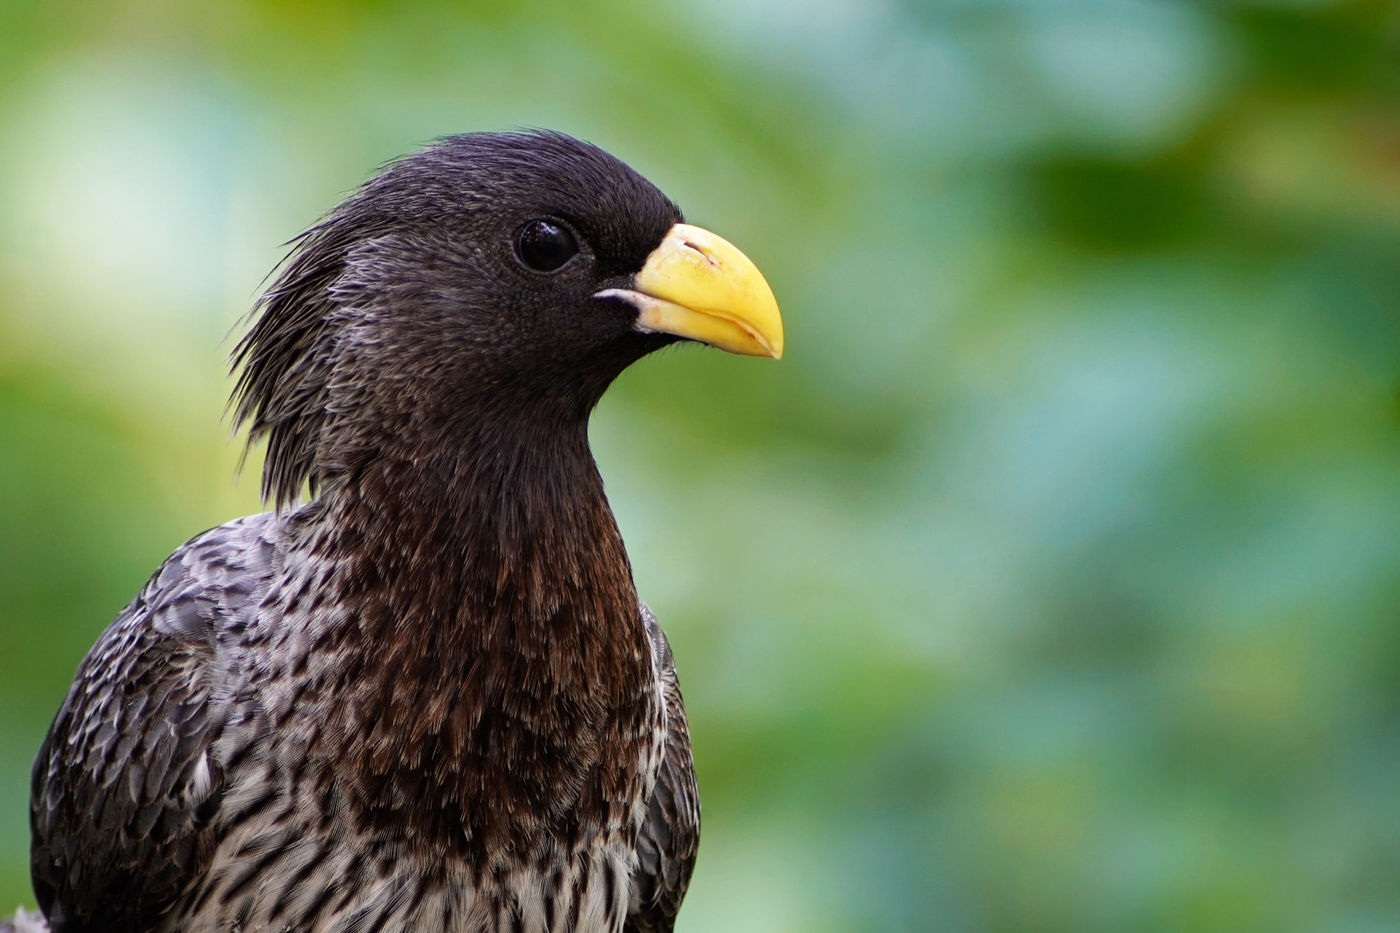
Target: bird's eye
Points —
{"points": [[544, 245]]}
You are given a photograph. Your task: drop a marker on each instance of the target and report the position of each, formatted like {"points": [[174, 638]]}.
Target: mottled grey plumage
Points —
{"points": [[671, 833], [429, 699], [166, 781]]}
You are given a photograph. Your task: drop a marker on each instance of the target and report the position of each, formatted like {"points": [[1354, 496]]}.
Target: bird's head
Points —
{"points": [[505, 276]]}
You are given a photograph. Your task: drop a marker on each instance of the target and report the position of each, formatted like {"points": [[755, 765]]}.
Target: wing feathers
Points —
{"points": [[120, 782], [670, 835]]}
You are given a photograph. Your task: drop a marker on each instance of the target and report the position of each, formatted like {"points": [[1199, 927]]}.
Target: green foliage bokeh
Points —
{"points": [[1050, 583]]}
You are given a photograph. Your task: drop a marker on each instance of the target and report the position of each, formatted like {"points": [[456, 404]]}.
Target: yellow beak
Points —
{"points": [[699, 286]]}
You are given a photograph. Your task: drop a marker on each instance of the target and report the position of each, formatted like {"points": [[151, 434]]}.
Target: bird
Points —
{"points": [[419, 692]]}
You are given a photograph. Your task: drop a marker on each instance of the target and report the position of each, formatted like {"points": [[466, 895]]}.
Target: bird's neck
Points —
{"points": [[511, 516], [502, 673]]}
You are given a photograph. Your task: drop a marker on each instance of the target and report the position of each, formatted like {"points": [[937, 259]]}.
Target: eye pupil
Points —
{"points": [[544, 245]]}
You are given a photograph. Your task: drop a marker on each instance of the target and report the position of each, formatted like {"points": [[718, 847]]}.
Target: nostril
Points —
{"points": [[709, 257]]}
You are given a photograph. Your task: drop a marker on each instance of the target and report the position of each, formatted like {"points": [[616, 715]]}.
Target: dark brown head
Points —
{"points": [[506, 277]]}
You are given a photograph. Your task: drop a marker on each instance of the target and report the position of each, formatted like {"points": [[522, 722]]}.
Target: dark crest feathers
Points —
{"points": [[285, 360]]}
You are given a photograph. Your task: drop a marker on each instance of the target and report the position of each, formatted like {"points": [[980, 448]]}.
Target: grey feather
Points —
{"points": [[125, 785], [24, 922], [670, 836]]}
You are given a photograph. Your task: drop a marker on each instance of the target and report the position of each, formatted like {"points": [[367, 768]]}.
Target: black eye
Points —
{"points": [[544, 245]]}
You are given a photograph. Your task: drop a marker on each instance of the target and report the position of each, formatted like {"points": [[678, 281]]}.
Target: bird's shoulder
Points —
{"points": [[124, 785], [660, 646], [670, 833]]}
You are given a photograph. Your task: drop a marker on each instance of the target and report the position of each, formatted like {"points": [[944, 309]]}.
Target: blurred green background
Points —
{"points": [[1050, 583]]}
